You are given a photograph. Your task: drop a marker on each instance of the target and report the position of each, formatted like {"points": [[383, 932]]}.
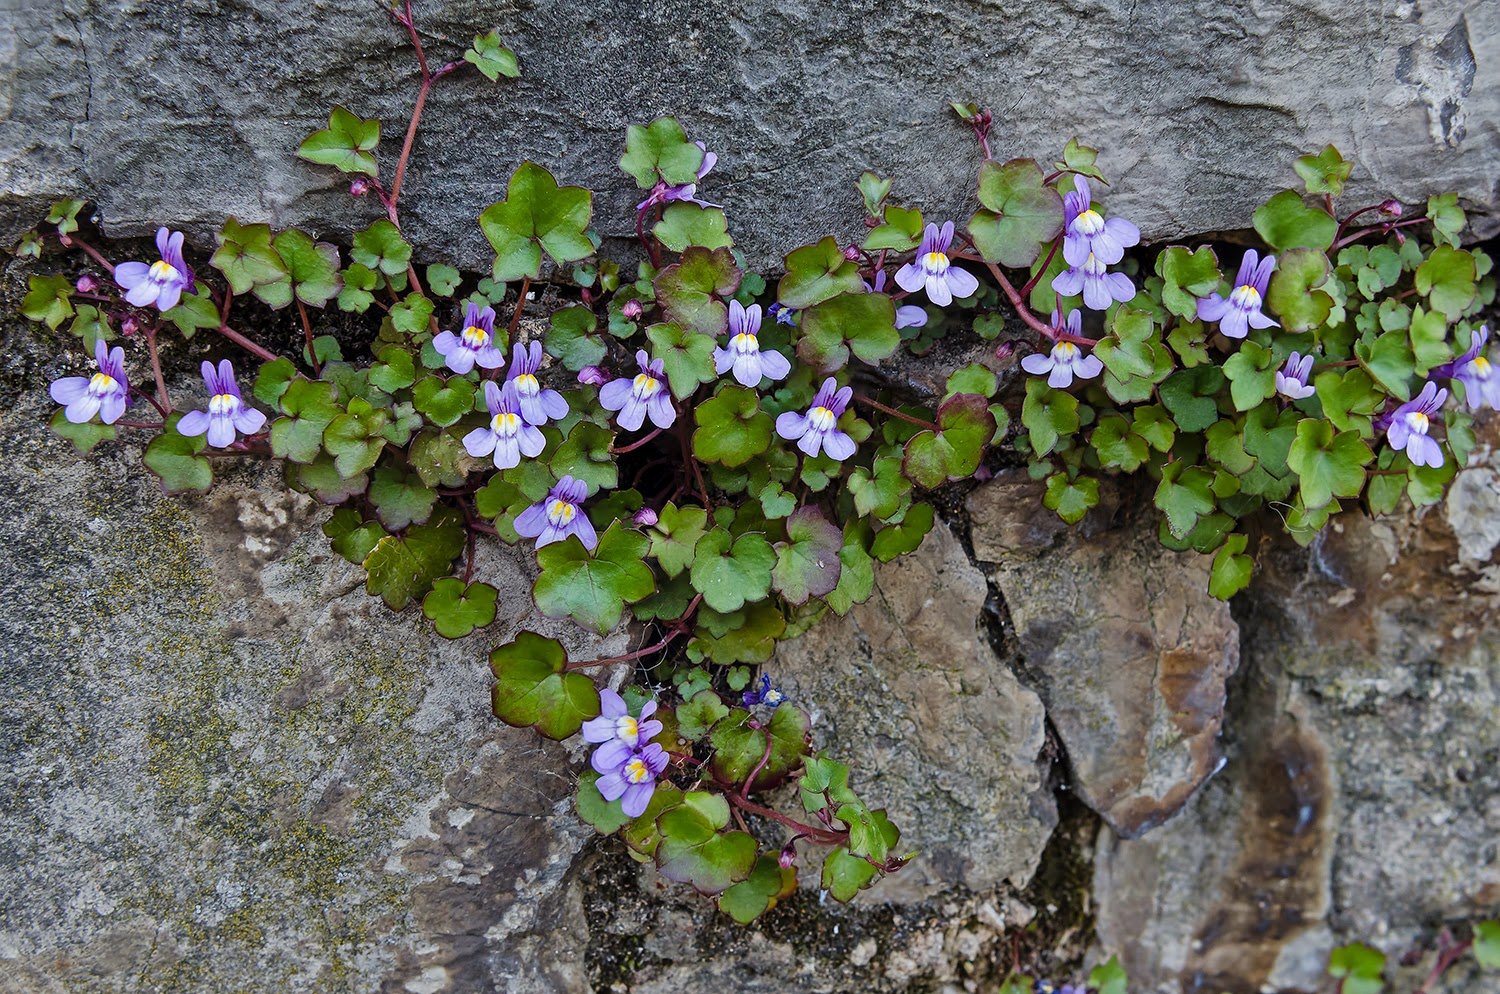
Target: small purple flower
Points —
{"points": [[227, 411], [162, 283], [661, 193], [617, 733], [645, 517], [1066, 360], [931, 270], [475, 345], [1099, 287], [907, 315], [763, 693], [1087, 233], [1478, 375], [1407, 426], [817, 430], [782, 313], [507, 435], [640, 395], [559, 515], [86, 284], [106, 393], [1241, 312], [634, 781], [743, 354], [1291, 379], [594, 376], [538, 403]]}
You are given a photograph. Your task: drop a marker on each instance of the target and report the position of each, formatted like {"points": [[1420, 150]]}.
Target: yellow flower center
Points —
{"points": [[475, 337], [1418, 422], [935, 262], [102, 383], [222, 403], [821, 417], [163, 272], [527, 384], [505, 423], [561, 512], [645, 385], [744, 343], [1246, 295], [1481, 367], [636, 771], [1089, 222], [628, 729], [1066, 351]]}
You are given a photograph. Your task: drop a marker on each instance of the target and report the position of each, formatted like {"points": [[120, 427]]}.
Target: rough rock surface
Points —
{"points": [[183, 113], [1122, 641]]}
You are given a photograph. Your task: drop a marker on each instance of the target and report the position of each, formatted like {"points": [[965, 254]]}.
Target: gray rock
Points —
{"points": [[182, 114], [1123, 643]]}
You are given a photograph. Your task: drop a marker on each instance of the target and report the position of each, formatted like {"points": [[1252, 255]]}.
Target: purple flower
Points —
{"points": [[763, 693], [1291, 379], [782, 313], [743, 354], [661, 193], [559, 515], [634, 781], [1066, 360], [1099, 287], [538, 403], [475, 345], [507, 435], [640, 395], [1087, 233], [227, 411], [1407, 426], [617, 733], [1475, 371], [1241, 312], [817, 430], [907, 315], [161, 283], [105, 393], [932, 271], [593, 376]]}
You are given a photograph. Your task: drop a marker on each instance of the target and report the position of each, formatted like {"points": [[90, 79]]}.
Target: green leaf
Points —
{"points": [[347, 144], [176, 460], [412, 313], [456, 608], [1190, 395], [1487, 944], [1285, 222], [359, 280], [1049, 415], [492, 58], [882, 490], [900, 539], [246, 257], [1328, 464], [808, 563], [873, 190], [193, 312], [856, 574], [402, 568], [351, 536], [660, 151], [593, 588], [674, 536], [815, 273], [684, 224], [954, 451], [845, 875], [381, 248], [1184, 495], [64, 214], [692, 291], [1109, 977], [739, 747], [1325, 172], [697, 716], [1079, 158], [732, 429], [354, 438], [1186, 276], [1447, 218], [443, 279], [687, 357], [1447, 280], [1429, 340], [1269, 433], [729, 571], [607, 817], [585, 455], [48, 300], [571, 339], [83, 436], [1294, 293], [748, 635], [1252, 376], [1360, 967], [537, 214], [441, 401], [1117, 445], [694, 850], [1020, 213], [900, 231], [1071, 499], [533, 688], [312, 266], [864, 323], [310, 407], [395, 370], [767, 884], [1231, 570], [401, 498], [1389, 362]]}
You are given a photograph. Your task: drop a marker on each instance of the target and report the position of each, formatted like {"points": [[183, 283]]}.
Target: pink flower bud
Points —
{"points": [[852, 253], [631, 310], [1391, 207], [87, 284], [359, 187], [645, 517], [1005, 349], [129, 326], [787, 857], [593, 375]]}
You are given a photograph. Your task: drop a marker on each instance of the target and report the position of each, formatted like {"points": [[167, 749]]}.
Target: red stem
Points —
{"points": [[122, 423], [247, 344], [93, 253], [893, 412], [821, 835], [515, 318], [678, 629], [161, 384], [1027, 286], [764, 759], [636, 444], [307, 336]]}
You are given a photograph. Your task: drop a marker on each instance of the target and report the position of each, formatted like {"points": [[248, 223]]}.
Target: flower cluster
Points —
{"points": [[627, 761], [227, 414], [1091, 244]]}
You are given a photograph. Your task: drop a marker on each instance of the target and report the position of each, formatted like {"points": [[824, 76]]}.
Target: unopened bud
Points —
{"points": [[983, 473], [645, 517], [593, 376], [359, 187], [87, 284], [129, 326], [1005, 349], [851, 253], [631, 310], [788, 856], [1391, 208]]}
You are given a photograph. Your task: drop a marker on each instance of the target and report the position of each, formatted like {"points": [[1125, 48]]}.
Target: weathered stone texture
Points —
{"points": [[183, 113]]}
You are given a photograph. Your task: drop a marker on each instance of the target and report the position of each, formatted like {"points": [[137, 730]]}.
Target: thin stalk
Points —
{"points": [[1026, 287], [894, 412], [161, 383], [637, 443], [764, 759], [247, 344], [307, 336], [515, 318], [821, 835], [93, 253]]}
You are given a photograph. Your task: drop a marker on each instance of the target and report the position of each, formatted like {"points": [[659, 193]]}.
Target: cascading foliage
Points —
{"points": [[717, 460]]}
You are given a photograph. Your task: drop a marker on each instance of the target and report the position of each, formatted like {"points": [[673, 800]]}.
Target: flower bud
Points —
{"points": [[645, 517], [983, 472], [1391, 207], [129, 326], [631, 310], [1005, 349], [87, 284], [852, 253], [593, 376], [359, 187], [788, 856]]}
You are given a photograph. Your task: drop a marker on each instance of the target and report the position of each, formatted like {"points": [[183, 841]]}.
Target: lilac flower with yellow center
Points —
{"points": [[227, 411], [106, 393], [1478, 375], [616, 732], [559, 515], [538, 403], [474, 345], [163, 282], [1099, 287], [933, 271], [637, 396], [783, 314], [907, 315], [1242, 310], [817, 430], [1086, 232], [744, 355], [634, 781], [1066, 360], [1291, 378], [1407, 426], [507, 435]]}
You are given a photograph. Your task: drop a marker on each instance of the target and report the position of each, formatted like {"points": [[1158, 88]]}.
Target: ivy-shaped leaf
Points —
{"points": [[752, 897], [694, 849], [537, 214], [456, 608], [864, 323], [1285, 222], [1328, 463], [1231, 569], [1325, 172], [953, 452], [381, 248], [404, 567], [401, 498], [684, 224], [347, 144], [1020, 213], [808, 564], [177, 461], [490, 56], [442, 401], [534, 689], [593, 588], [313, 268], [732, 429], [1049, 415], [246, 256], [675, 535], [815, 273], [730, 571], [692, 291], [687, 357], [309, 406], [739, 747], [1186, 276], [1295, 293], [660, 151], [1071, 499]]}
